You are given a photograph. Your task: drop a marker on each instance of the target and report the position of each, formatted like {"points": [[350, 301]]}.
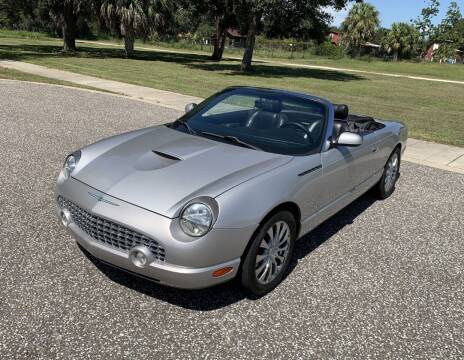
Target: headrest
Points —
{"points": [[269, 105], [341, 111]]}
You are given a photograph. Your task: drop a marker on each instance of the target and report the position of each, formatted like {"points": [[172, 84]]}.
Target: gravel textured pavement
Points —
{"points": [[382, 279]]}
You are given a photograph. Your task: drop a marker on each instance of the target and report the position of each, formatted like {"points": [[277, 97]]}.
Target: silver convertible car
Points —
{"points": [[227, 189]]}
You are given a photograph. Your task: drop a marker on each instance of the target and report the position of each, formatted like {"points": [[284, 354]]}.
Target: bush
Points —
{"points": [[330, 50]]}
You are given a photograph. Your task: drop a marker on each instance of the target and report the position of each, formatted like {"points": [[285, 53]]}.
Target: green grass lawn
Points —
{"points": [[433, 111], [423, 69]]}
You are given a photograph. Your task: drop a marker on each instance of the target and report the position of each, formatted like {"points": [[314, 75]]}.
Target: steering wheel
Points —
{"points": [[299, 128]]}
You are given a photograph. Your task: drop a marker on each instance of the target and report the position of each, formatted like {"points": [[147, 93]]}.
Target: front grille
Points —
{"points": [[109, 232]]}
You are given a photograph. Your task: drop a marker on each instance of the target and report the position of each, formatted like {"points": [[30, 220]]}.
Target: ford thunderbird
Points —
{"points": [[225, 190]]}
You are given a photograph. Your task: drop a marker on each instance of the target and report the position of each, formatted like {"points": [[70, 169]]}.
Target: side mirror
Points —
{"points": [[349, 139], [190, 107]]}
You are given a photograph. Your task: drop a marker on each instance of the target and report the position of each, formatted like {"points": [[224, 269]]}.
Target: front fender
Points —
{"points": [[248, 204]]}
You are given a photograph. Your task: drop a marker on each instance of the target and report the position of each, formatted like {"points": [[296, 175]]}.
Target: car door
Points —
{"points": [[323, 187], [338, 173], [365, 156]]}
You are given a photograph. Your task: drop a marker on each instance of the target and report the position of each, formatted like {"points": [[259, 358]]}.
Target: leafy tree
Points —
{"points": [[66, 13], [203, 31], [132, 17], [18, 14], [450, 32], [402, 40], [180, 17], [222, 12], [188, 16], [360, 26], [253, 11], [296, 19], [380, 35], [298, 13], [424, 23]]}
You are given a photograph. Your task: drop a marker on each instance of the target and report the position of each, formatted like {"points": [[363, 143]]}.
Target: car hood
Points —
{"points": [[161, 169]]}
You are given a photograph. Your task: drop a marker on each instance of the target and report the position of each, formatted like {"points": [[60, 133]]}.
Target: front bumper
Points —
{"points": [[176, 276], [189, 263]]}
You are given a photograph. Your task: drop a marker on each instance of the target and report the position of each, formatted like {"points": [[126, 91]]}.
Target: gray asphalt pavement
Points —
{"points": [[379, 280]]}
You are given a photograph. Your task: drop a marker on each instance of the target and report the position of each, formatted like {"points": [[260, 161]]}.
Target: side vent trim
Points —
{"points": [[310, 170]]}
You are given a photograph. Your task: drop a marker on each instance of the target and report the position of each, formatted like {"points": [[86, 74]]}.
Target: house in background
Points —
{"points": [[335, 37], [431, 51], [433, 48], [235, 38], [371, 48]]}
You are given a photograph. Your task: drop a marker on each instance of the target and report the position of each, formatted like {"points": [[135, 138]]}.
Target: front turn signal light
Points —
{"points": [[223, 271]]}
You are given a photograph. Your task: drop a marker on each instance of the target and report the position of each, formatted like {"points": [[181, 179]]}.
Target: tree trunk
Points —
{"points": [[129, 43], [250, 44], [219, 40], [395, 55], [69, 29]]}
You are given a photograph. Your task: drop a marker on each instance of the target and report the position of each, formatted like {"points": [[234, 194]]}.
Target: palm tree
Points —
{"points": [[360, 26], [132, 16], [402, 40]]}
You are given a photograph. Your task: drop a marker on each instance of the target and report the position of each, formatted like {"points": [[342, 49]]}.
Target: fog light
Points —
{"points": [[65, 216], [141, 256], [139, 259]]}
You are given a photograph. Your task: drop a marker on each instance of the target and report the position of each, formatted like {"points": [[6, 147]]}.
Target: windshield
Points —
{"points": [[259, 119]]}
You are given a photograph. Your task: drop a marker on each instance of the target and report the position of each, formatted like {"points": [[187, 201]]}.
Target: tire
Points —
{"points": [[391, 173], [263, 269]]}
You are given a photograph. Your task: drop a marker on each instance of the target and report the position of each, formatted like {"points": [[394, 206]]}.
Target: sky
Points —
{"points": [[397, 10]]}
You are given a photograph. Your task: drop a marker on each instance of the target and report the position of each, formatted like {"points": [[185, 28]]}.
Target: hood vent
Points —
{"points": [[166, 156]]}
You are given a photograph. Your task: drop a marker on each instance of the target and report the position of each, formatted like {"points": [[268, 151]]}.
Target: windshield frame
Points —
{"points": [[216, 98]]}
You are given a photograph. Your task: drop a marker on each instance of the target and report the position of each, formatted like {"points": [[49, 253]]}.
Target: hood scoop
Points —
{"points": [[167, 156], [186, 147], [155, 160]]}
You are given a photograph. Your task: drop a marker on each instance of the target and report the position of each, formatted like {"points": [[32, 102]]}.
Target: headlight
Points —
{"points": [[71, 162], [196, 219]]}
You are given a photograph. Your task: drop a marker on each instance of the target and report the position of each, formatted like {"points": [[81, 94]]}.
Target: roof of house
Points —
{"points": [[371, 45], [235, 33]]}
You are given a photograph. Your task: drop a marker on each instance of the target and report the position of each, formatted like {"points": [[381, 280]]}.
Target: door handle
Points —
{"points": [[375, 149]]}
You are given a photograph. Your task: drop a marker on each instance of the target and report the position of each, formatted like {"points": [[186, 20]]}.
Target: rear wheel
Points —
{"points": [[269, 254], [386, 185]]}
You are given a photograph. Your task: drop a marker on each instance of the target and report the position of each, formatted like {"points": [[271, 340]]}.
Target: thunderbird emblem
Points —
{"points": [[102, 199]]}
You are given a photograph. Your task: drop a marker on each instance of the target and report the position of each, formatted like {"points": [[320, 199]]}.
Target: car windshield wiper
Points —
{"points": [[184, 124], [231, 139]]}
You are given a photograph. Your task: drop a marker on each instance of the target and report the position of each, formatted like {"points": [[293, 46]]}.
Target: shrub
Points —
{"points": [[330, 50]]}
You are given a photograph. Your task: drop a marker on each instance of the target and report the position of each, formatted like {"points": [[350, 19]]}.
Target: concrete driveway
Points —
{"points": [[379, 280]]}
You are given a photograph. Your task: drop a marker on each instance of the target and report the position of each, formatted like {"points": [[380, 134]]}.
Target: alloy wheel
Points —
{"points": [[391, 172], [272, 252]]}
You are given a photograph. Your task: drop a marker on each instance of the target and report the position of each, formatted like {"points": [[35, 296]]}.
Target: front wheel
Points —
{"points": [[391, 172], [269, 254]]}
